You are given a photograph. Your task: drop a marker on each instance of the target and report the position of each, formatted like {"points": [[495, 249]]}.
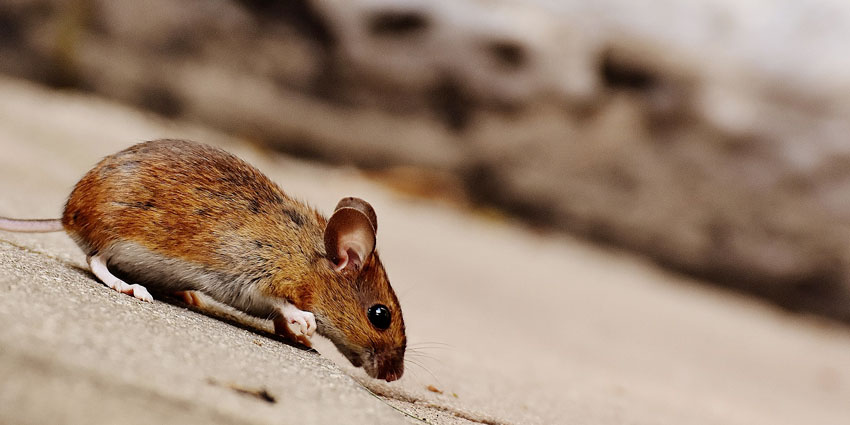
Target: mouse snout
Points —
{"points": [[390, 375], [386, 365]]}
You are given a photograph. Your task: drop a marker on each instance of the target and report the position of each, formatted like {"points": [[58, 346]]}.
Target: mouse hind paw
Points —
{"points": [[97, 264], [191, 298]]}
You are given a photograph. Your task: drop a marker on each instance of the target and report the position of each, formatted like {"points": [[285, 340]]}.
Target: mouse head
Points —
{"points": [[362, 315]]}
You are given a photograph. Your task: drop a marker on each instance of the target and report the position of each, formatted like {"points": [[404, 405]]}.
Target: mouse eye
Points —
{"points": [[379, 315]]}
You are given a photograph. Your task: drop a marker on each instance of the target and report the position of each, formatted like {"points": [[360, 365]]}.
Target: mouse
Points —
{"points": [[179, 217]]}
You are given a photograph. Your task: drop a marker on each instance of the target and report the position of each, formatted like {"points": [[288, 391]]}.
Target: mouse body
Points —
{"points": [[174, 216]]}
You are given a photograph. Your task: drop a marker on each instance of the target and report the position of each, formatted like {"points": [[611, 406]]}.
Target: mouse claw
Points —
{"points": [[141, 293], [291, 317]]}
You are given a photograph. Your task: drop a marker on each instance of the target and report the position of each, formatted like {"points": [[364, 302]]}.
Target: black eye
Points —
{"points": [[379, 315]]}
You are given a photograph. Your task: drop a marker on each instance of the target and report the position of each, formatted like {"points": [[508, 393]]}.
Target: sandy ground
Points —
{"points": [[514, 327]]}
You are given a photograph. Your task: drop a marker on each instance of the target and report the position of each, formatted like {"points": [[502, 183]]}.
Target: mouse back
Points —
{"points": [[187, 200], [176, 215]]}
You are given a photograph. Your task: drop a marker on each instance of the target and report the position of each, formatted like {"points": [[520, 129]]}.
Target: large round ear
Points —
{"points": [[350, 234]]}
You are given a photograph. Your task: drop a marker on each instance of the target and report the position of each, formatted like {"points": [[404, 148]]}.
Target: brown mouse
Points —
{"points": [[176, 216]]}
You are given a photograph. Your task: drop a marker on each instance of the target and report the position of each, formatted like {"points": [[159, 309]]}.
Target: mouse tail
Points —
{"points": [[30, 226]]}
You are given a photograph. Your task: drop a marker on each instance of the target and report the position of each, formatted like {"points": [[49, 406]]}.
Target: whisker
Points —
{"points": [[414, 374], [434, 377], [432, 345], [422, 356], [420, 349]]}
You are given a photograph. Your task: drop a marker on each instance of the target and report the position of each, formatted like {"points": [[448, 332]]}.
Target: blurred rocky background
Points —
{"points": [[710, 135]]}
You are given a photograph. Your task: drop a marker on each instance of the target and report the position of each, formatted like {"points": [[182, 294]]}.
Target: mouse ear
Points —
{"points": [[359, 205], [350, 234]]}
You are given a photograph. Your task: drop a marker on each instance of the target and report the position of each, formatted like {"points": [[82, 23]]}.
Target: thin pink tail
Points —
{"points": [[30, 226]]}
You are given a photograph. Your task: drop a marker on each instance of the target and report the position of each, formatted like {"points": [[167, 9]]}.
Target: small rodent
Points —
{"points": [[176, 216]]}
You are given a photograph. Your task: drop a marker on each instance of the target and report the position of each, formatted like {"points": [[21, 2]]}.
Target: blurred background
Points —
{"points": [[708, 135]]}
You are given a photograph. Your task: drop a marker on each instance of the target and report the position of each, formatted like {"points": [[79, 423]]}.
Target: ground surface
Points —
{"points": [[513, 326]]}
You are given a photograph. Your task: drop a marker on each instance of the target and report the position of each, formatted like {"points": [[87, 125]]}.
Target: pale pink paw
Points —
{"points": [[118, 285], [98, 266], [140, 292], [136, 290], [304, 319], [295, 324]]}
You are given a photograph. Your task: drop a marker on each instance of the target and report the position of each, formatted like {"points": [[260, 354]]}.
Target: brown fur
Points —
{"points": [[204, 206]]}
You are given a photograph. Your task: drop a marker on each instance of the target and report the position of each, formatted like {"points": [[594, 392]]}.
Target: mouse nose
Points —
{"points": [[390, 369], [390, 375]]}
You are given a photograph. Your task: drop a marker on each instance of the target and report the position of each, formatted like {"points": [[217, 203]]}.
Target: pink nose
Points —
{"points": [[391, 376], [391, 373]]}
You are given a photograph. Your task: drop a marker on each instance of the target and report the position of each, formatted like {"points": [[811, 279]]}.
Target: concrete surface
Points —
{"points": [[513, 326]]}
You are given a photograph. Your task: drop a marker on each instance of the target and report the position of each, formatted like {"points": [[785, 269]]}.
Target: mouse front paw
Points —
{"points": [[295, 324]]}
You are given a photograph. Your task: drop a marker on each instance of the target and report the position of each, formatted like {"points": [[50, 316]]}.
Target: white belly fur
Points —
{"points": [[160, 273]]}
